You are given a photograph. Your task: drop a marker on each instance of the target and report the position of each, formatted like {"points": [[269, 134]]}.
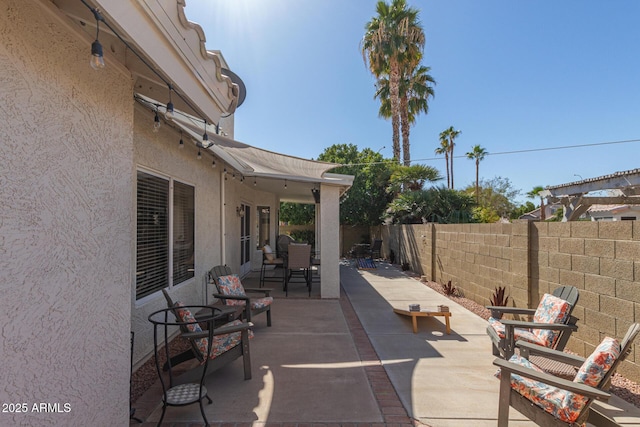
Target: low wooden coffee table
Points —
{"points": [[424, 313]]}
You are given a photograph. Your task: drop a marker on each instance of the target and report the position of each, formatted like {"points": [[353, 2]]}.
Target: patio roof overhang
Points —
{"points": [[290, 178], [155, 42]]}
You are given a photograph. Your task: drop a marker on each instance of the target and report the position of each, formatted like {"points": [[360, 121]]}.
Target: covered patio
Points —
{"points": [[353, 361]]}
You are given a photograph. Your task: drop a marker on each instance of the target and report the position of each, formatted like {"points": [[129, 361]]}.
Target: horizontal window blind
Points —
{"points": [[183, 232], [152, 251]]}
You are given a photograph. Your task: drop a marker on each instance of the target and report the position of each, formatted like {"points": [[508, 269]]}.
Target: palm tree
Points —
{"points": [[390, 38], [451, 134], [444, 149], [412, 178], [415, 90], [536, 193], [477, 153]]}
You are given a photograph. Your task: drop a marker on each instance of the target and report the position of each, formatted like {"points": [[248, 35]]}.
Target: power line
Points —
{"points": [[531, 150]]}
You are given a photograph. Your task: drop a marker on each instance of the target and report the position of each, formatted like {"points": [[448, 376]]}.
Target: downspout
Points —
{"points": [[223, 222]]}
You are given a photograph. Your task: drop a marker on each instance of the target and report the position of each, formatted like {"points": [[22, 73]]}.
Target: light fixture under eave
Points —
{"points": [[285, 184], [169, 113], [199, 154], [156, 122], [213, 164], [181, 143], [97, 58], [316, 194]]}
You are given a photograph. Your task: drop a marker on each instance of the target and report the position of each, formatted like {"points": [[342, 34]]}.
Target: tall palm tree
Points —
{"points": [[536, 193], [451, 134], [477, 153], [415, 90], [444, 149], [390, 37]]}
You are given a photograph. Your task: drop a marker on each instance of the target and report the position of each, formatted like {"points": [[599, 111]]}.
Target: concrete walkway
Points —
{"points": [[353, 362]]}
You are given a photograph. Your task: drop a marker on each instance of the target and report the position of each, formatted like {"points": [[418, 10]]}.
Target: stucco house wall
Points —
{"points": [[236, 193], [65, 224], [159, 152]]}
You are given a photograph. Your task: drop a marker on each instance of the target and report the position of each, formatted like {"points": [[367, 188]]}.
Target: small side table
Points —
{"points": [[424, 313], [183, 394]]}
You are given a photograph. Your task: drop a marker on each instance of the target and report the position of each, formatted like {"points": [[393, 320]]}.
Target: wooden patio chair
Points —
{"points": [[298, 262], [230, 291], [231, 341], [550, 401], [551, 326]]}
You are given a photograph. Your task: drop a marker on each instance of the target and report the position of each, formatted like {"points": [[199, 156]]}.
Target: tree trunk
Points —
{"points": [[404, 121], [451, 159], [477, 182], [394, 95], [446, 159]]}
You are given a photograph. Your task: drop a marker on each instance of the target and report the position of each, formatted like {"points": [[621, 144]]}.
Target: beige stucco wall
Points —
{"points": [[65, 224], [602, 259], [330, 241], [159, 152], [237, 192]]}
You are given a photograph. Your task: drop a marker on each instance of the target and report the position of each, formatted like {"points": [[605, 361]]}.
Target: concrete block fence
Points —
{"points": [[602, 259]]}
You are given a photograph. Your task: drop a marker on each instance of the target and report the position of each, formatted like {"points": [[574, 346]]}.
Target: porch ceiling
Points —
{"points": [[290, 178]]}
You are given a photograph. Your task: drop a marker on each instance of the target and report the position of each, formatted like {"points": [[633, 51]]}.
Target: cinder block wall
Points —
{"points": [[602, 259]]}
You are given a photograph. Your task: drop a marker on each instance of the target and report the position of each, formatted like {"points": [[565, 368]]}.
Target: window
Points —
{"points": [[165, 233]]}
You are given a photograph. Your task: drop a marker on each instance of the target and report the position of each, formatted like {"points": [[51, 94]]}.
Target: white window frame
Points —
{"points": [[171, 180]]}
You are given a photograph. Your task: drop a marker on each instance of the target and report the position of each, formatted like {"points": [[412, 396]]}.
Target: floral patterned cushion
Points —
{"points": [[550, 310], [185, 315], [261, 302], [231, 286], [221, 343], [598, 363], [520, 334], [560, 403]]}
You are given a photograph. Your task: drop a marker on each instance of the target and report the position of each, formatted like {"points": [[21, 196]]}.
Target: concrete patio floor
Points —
{"points": [[353, 362]]}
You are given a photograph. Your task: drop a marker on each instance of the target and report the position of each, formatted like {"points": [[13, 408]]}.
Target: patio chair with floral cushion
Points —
{"points": [[231, 292], [551, 401], [551, 327], [230, 341]]}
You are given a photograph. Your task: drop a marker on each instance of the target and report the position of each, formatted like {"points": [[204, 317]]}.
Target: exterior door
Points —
{"points": [[245, 240]]}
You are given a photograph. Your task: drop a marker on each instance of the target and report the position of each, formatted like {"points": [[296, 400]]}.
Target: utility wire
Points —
{"points": [[565, 147]]}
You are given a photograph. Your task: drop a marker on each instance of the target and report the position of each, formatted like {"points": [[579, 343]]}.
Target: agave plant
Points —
{"points": [[449, 289], [499, 297]]}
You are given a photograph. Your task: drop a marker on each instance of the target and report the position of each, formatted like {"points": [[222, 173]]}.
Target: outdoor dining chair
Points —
{"points": [[269, 260], [298, 263]]}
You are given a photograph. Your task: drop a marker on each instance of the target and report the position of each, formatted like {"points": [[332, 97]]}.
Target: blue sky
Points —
{"points": [[511, 75]]}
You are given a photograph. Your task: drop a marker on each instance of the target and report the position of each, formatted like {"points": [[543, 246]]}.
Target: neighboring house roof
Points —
{"points": [[574, 195], [608, 208]]}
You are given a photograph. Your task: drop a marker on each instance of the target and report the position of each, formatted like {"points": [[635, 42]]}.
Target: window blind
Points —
{"points": [[152, 251], [183, 232]]}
